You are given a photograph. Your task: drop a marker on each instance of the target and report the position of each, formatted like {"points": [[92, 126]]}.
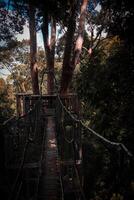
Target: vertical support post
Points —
{"points": [[18, 105], [23, 104], [26, 104]]}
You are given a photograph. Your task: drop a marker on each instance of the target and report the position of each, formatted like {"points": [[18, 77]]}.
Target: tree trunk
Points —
{"points": [[67, 68], [33, 50], [49, 45], [68, 64]]}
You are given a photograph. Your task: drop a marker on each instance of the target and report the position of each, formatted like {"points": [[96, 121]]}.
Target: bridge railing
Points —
{"points": [[69, 145], [24, 136], [90, 163]]}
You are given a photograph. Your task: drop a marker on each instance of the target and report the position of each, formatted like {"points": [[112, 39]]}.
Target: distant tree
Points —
{"points": [[11, 23], [6, 100], [120, 19], [105, 85], [17, 62], [71, 19]]}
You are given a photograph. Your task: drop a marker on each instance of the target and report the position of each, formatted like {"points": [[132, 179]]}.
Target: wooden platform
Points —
{"points": [[45, 175]]}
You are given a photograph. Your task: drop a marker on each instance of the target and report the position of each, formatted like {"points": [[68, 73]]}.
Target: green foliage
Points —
{"points": [[6, 100], [16, 61], [11, 22], [105, 84], [121, 18]]}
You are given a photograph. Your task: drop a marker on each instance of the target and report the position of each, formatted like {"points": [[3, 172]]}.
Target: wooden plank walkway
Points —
{"points": [[49, 184]]}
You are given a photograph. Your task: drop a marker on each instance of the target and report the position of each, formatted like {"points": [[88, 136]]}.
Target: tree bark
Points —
{"points": [[33, 50], [69, 66], [49, 45]]}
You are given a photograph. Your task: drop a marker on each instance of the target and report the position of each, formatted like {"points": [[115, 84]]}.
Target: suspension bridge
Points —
{"points": [[44, 156]]}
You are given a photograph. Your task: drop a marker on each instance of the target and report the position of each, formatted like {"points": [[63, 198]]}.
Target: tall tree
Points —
{"points": [[72, 22], [33, 50], [49, 45], [68, 64], [15, 14]]}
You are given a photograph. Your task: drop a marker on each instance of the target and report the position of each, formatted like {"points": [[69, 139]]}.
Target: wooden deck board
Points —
{"points": [[49, 182]]}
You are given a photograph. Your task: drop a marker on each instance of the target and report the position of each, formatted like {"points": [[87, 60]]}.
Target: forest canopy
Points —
{"points": [[88, 49]]}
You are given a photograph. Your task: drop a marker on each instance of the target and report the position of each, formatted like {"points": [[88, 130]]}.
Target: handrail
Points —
{"points": [[94, 133], [97, 135]]}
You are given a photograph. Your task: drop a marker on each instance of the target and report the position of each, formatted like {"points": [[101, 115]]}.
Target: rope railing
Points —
{"points": [[19, 174], [13, 121], [78, 190], [102, 139], [31, 130], [114, 148], [30, 138]]}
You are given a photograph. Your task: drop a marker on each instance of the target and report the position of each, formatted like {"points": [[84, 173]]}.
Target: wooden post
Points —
{"points": [[18, 105], [26, 104]]}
